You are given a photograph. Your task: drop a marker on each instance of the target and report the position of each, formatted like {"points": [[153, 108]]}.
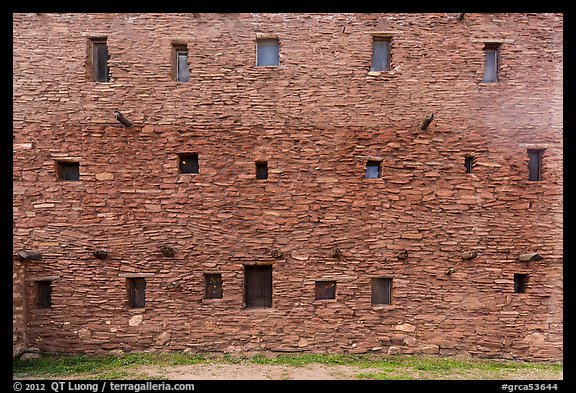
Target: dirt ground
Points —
{"points": [[320, 372], [252, 372]]}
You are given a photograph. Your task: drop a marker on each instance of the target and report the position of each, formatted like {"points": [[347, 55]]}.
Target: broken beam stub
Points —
{"points": [[469, 255], [167, 251], [100, 254], [336, 253], [532, 256]]}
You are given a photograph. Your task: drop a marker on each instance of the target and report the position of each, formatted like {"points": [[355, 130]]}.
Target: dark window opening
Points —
{"points": [[267, 52], [213, 286], [372, 169], [181, 69], [258, 285], [380, 54], [136, 292], [535, 165], [381, 291], [68, 171], [520, 283], [100, 60], [43, 294], [188, 163], [262, 170], [325, 290], [491, 54], [468, 163]]}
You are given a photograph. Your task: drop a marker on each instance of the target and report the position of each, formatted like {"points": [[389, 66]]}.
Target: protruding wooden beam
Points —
{"points": [[31, 255], [122, 119], [427, 121], [532, 256]]}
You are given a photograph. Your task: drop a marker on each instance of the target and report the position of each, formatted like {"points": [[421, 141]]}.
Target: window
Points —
{"points": [[136, 292], [535, 165], [258, 285], [381, 291], [372, 169], [268, 52], [325, 290], [380, 54], [520, 283], [68, 171], [99, 60], [43, 294], [491, 53], [468, 163], [213, 286], [180, 63], [188, 162], [262, 170]]}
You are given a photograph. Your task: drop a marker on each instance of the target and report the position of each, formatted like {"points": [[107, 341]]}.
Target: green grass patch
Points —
{"points": [[116, 367], [377, 366], [298, 360]]}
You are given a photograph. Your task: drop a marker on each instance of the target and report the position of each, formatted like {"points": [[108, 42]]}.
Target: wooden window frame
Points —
{"points": [[177, 49], [387, 61], [325, 290], [538, 155], [469, 162], [195, 166], [259, 44], [261, 170], [521, 282], [494, 47], [213, 286], [62, 170], [258, 286], [94, 42], [136, 300], [43, 290], [375, 297], [372, 163]]}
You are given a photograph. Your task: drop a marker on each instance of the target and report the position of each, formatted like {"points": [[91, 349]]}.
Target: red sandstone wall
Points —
{"points": [[316, 119], [19, 338]]}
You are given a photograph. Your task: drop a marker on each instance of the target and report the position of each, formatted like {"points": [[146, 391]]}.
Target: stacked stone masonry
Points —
{"points": [[316, 119]]}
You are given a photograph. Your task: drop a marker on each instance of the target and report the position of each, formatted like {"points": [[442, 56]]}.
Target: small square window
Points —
{"points": [[188, 163], [380, 54], [213, 286], [492, 55], [372, 169], [44, 294], [99, 60], [325, 290], [180, 62], [268, 52], [520, 283], [535, 165], [68, 171], [469, 163], [136, 292], [381, 291], [262, 170]]}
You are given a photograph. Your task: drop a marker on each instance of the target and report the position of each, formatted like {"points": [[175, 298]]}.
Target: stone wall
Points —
{"points": [[316, 119], [19, 338]]}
